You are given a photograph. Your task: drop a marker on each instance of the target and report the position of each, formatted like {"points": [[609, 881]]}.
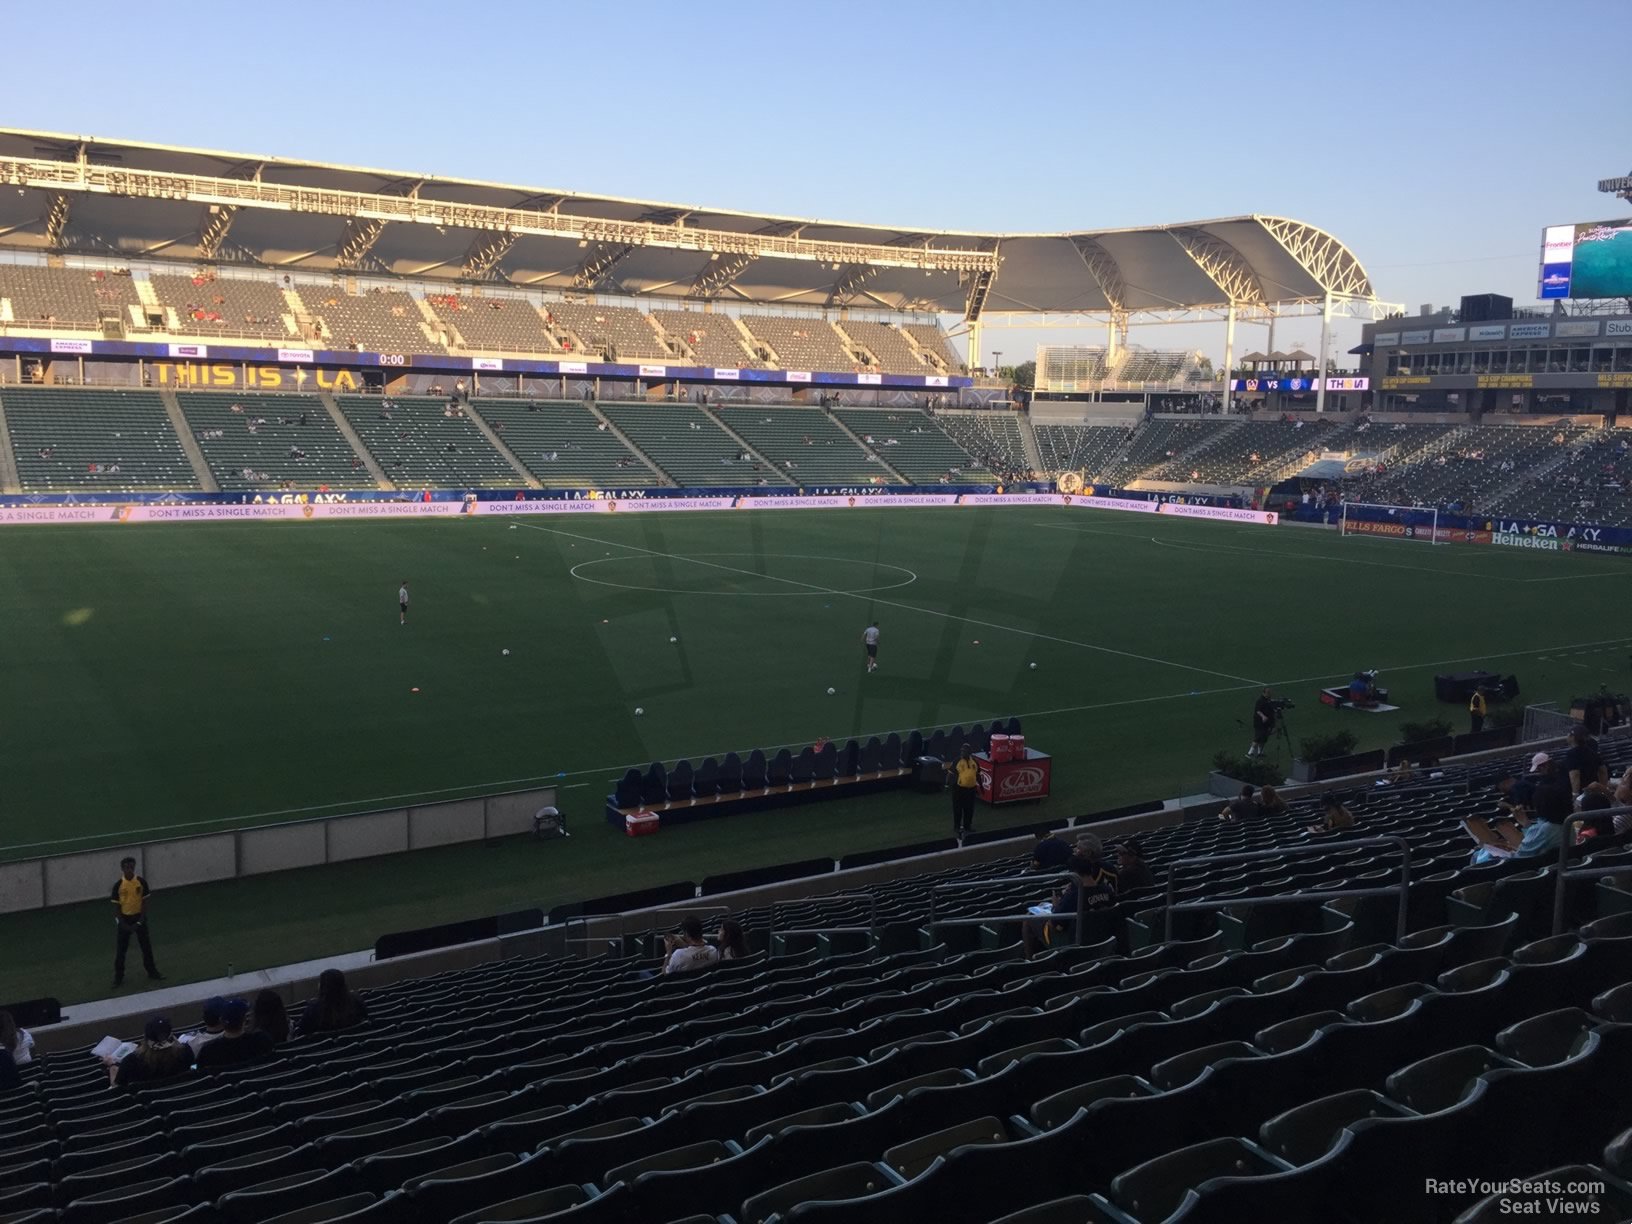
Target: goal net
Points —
{"points": [[1419, 523]]}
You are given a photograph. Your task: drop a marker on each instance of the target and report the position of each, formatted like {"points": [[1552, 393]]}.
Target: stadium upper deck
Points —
{"points": [[78, 194]]}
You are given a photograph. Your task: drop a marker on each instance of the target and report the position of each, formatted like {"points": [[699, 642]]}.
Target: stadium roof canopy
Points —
{"points": [[128, 200]]}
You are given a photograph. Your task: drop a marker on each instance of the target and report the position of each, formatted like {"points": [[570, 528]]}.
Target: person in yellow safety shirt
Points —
{"points": [[1476, 710], [129, 896], [965, 783]]}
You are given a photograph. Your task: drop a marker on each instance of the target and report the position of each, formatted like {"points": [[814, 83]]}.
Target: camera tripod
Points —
{"points": [[1283, 739]]}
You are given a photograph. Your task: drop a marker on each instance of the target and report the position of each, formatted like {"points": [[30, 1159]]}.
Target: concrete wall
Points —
{"points": [[63, 879]]}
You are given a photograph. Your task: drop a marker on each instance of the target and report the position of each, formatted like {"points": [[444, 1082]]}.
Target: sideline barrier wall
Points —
{"points": [[303, 507], [86, 875]]}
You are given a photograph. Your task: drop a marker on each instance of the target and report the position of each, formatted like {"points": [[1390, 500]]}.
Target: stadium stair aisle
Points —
{"points": [[686, 444], [422, 442], [189, 445], [562, 445], [263, 441], [8, 458], [913, 443], [326, 398], [808, 439]]}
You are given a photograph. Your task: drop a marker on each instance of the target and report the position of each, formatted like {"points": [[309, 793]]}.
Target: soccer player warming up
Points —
{"points": [[402, 603], [869, 639]]}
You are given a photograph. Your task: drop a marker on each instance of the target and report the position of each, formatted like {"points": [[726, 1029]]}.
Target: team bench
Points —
{"points": [[755, 782]]}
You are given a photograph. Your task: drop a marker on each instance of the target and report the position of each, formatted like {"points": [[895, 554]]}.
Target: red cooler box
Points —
{"points": [[1000, 748], [1023, 779], [640, 824]]}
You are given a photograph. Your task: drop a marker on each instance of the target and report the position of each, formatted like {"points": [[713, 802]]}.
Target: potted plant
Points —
{"points": [[1313, 749], [1231, 772]]}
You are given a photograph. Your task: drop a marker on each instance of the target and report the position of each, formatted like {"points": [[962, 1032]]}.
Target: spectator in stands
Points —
{"points": [[1095, 885], [1050, 853], [269, 1016], [212, 1030], [1333, 815], [686, 951], [17, 1042], [9, 1078], [235, 1045], [157, 1056], [1270, 802], [1535, 830], [1582, 761], [733, 944], [1242, 807], [335, 1007], [1132, 872]]}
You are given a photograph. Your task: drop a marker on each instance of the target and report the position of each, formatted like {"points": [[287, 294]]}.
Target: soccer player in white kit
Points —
{"points": [[402, 603], [869, 639]]}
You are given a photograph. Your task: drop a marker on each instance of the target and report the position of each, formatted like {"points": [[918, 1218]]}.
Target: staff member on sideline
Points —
{"points": [[129, 895], [1476, 710], [402, 603], [965, 784]]}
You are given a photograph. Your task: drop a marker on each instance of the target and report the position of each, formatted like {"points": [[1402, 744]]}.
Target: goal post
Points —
{"points": [[1418, 523]]}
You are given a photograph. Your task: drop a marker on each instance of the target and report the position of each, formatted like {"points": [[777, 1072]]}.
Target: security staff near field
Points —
{"points": [[1476, 710], [965, 782], [129, 896], [1263, 722]]}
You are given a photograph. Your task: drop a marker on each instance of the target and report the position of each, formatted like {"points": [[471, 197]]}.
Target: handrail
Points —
{"points": [[1012, 879], [1403, 887], [1567, 844]]}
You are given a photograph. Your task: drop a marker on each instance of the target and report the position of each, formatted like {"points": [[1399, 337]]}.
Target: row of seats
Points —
{"points": [[911, 443], [422, 442]]}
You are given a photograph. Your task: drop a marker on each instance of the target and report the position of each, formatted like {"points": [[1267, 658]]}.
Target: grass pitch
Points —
{"points": [[194, 678]]}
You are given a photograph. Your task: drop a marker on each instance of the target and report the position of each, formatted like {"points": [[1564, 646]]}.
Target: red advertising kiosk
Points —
{"points": [[1012, 773]]}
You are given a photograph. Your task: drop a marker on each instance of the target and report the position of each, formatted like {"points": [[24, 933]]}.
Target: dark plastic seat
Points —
{"points": [[285, 1194], [1546, 1039], [1307, 1132], [705, 782], [654, 786], [1153, 1190], [344, 1208], [1060, 1107], [779, 772], [1609, 1200], [836, 1184], [485, 1179], [537, 1205], [754, 771], [1441, 1080], [681, 782], [802, 768], [912, 1157], [691, 1156], [628, 791], [730, 782], [122, 1202]]}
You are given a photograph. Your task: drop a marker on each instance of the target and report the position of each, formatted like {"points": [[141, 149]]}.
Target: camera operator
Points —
{"points": [[1264, 712]]}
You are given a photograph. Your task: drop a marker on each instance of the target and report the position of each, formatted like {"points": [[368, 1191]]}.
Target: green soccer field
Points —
{"points": [[162, 680], [167, 679]]}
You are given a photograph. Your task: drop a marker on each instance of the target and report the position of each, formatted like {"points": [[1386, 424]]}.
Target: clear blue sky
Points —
{"points": [[1435, 138]]}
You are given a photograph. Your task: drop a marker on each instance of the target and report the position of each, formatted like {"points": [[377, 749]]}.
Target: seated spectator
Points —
{"points": [[1535, 831], [1132, 872], [733, 944], [157, 1056], [234, 1045], [686, 951], [1050, 853], [1333, 815], [212, 1029], [269, 1016], [17, 1042], [1270, 802], [1242, 807], [1582, 761], [1095, 884], [335, 1007]]}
